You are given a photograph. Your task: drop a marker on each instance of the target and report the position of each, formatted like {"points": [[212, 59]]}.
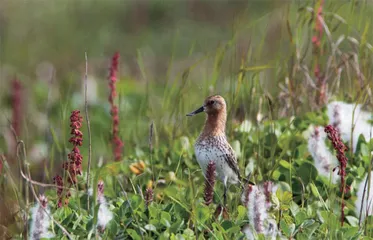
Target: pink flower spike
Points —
{"points": [[116, 141], [339, 146]]}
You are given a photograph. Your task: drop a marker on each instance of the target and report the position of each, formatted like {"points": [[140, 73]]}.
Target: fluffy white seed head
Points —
{"points": [[260, 222], [104, 213], [256, 205], [40, 220], [351, 121], [324, 160]]}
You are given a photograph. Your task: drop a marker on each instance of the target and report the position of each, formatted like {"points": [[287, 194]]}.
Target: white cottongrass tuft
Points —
{"points": [[347, 117], [248, 231], [92, 88], [268, 188], [259, 221], [78, 98], [40, 220], [104, 213], [324, 160], [367, 207], [38, 152]]}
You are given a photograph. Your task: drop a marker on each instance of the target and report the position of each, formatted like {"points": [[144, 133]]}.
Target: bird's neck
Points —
{"points": [[215, 124]]}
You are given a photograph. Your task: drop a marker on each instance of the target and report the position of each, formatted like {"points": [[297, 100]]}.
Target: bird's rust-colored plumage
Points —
{"points": [[216, 110]]}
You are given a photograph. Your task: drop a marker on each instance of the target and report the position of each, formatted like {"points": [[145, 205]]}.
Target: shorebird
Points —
{"points": [[212, 144]]}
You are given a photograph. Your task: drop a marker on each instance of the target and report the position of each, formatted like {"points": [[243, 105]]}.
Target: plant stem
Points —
{"points": [[88, 127]]}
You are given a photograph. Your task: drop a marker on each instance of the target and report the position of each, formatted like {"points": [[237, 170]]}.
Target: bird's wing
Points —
{"points": [[231, 160]]}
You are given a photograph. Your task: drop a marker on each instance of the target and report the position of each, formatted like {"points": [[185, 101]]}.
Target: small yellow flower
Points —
{"points": [[142, 164], [138, 167], [134, 169]]}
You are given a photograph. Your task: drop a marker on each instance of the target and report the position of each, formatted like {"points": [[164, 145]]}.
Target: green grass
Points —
{"points": [[262, 62]]}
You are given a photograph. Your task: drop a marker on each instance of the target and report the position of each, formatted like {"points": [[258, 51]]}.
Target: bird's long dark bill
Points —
{"points": [[199, 110]]}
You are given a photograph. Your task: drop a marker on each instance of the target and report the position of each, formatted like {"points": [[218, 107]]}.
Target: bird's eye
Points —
{"points": [[211, 102]]}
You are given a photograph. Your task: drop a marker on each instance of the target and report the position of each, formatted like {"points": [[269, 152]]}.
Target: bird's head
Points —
{"points": [[213, 105]]}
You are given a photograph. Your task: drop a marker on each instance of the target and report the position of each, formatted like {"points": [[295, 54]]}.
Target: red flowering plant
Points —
{"points": [[73, 166], [321, 98], [209, 183], [116, 141], [341, 148]]}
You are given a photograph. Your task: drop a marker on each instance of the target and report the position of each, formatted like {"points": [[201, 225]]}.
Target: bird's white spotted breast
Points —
{"points": [[216, 149]]}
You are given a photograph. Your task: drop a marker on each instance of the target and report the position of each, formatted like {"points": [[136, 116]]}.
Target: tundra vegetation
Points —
{"points": [[95, 143]]}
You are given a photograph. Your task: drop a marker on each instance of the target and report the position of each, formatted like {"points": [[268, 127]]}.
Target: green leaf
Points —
{"points": [[294, 208], [164, 236], [176, 226], [202, 214], [136, 201], [150, 227], [288, 229], [166, 219], [285, 164], [153, 211], [242, 212], [134, 235], [275, 201], [307, 172], [89, 224], [285, 199], [350, 232], [308, 223], [112, 228], [353, 221], [227, 224], [189, 234], [309, 227], [314, 190], [300, 217], [364, 149]]}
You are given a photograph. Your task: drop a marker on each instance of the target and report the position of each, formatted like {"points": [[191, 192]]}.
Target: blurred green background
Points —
{"points": [[43, 45], [257, 54]]}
